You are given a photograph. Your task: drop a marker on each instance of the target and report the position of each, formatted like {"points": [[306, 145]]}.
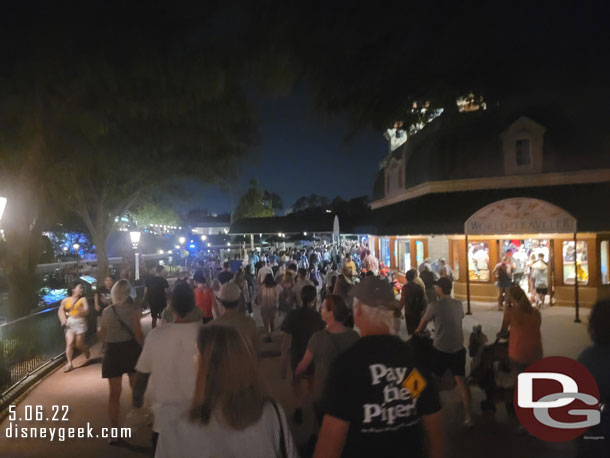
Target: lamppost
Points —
{"points": [[76, 247], [135, 240]]}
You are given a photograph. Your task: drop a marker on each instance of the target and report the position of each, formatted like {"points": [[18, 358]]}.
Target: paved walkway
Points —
{"points": [[85, 392]]}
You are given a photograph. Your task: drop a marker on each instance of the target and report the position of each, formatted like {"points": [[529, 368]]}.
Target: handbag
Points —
{"points": [[127, 328], [283, 451]]}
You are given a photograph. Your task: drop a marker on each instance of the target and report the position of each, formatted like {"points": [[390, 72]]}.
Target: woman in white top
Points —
{"points": [[232, 414]]}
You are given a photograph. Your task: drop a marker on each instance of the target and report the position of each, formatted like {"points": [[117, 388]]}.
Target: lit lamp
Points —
{"points": [[76, 246], [204, 238], [182, 240], [135, 240], [3, 201]]}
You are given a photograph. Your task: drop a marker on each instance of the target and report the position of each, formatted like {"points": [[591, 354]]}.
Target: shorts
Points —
{"points": [[76, 324], [268, 313], [120, 358], [544, 291], [156, 310], [455, 362]]}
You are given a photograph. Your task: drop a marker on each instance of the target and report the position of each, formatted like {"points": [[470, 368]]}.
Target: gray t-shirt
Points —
{"points": [[325, 347], [114, 330], [446, 314]]}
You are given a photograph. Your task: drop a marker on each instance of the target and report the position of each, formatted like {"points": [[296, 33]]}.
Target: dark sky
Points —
{"points": [[301, 153]]}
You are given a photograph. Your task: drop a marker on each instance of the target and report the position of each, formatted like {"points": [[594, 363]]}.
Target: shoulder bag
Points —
{"points": [[122, 323]]}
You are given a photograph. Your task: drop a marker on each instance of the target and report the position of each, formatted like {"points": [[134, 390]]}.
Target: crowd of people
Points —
{"points": [[372, 392]]}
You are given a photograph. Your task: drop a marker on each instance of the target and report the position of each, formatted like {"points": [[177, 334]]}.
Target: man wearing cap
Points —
{"points": [[378, 403], [447, 314], [229, 296]]}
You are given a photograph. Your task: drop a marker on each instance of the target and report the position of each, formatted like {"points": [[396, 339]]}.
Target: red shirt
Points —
{"points": [[204, 297]]}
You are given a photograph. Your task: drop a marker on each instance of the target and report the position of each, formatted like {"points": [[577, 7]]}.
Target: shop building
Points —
{"points": [[472, 185]]}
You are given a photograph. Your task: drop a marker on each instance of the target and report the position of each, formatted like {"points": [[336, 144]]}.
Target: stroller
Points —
{"points": [[491, 370]]}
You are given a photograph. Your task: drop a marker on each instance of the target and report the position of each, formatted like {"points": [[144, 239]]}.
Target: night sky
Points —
{"points": [[301, 153]]}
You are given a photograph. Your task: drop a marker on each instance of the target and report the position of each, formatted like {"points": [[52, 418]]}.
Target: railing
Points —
{"points": [[29, 343]]}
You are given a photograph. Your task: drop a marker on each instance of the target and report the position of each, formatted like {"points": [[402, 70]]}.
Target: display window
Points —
{"points": [[455, 260], [419, 252], [385, 252], [404, 255], [575, 260], [478, 261], [604, 254]]}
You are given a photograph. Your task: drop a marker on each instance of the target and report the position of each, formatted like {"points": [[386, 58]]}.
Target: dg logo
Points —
{"points": [[557, 399]]}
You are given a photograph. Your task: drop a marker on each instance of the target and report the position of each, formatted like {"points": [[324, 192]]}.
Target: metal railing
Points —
{"points": [[28, 344]]}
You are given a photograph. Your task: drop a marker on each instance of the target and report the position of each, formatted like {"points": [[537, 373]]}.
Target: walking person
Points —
{"points": [[371, 382], [447, 314], [72, 315], [155, 293], [287, 297], [167, 363], [540, 275], [205, 300], [231, 414], [297, 329], [268, 301], [102, 299], [324, 347], [412, 301], [502, 275], [230, 295], [122, 336]]}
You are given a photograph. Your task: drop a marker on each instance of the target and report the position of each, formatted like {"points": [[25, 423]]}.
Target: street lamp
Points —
{"points": [[135, 240], [76, 246], [204, 238], [3, 201], [182, 240]]}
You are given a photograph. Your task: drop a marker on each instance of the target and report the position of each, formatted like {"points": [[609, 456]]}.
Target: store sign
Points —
{"points": [[520, 216]]}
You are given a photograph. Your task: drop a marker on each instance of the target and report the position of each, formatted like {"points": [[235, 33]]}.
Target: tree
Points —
{"points": [[273, 200], [97, 113], [150, 212], [251, 204]]}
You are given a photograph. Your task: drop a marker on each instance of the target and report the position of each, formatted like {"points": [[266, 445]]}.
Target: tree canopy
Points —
{"points": [[251, 204]]}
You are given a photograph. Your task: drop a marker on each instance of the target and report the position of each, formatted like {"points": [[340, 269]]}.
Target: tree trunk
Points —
{"points": [[23, 241], [100, 240]]}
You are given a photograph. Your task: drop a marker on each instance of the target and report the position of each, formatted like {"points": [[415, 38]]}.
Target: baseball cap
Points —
{"points": [[229, 292], [445, 284], [375, 292]]}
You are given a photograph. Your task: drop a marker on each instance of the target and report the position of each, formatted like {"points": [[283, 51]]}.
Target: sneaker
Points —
{"points": [[68, 367]]}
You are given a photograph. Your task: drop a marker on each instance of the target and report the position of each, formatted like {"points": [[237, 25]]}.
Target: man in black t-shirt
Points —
{"points": [[102, 298], [298, 327], [226, 275], [378, 403], [155, 293]]}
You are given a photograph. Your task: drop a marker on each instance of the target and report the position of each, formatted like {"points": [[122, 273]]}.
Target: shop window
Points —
{"points": [[419, 252], [578, 256], [604, 254], [385, 252], [478, 261], [404, 255], [455, 260], [523, 152]]}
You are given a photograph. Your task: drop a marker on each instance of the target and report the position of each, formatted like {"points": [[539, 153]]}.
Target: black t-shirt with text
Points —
{"points": [[301, 324], [156, 291], [375, 386], [103, 293]]}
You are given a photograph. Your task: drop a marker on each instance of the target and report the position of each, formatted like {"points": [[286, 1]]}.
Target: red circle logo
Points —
{"points": [[557, 399]]}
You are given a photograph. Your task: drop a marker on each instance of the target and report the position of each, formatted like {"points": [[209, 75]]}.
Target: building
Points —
{"points": [[532, 180]]}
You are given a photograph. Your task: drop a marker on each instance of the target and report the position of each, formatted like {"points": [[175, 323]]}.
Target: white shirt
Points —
{"points": [[183, 439], [262, 273], [168, 356]]}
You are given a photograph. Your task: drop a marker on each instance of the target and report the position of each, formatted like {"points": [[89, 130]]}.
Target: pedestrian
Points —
{"points": [[502, 275], [348, 263], [324, 347], [102, 298], [447, 314], [244, 299], [297, 328], [287, 297], [230, 295], [226, 274], [231, 413], [204, 298], [412, 301], [428, 278], [263, 272], [595, 358], [122, 336], [268, 301], [378, 401], [445, 269], [301, 282], [522, 322], [72, 313], [155, 292], [540, 275], [165, 369]]}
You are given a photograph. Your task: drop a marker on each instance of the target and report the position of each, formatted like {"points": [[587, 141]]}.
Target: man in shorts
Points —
{"points": [[155, 293], [447, 314]]}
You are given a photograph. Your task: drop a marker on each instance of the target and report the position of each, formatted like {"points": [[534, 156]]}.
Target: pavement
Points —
{"points": [[85, 394]]}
